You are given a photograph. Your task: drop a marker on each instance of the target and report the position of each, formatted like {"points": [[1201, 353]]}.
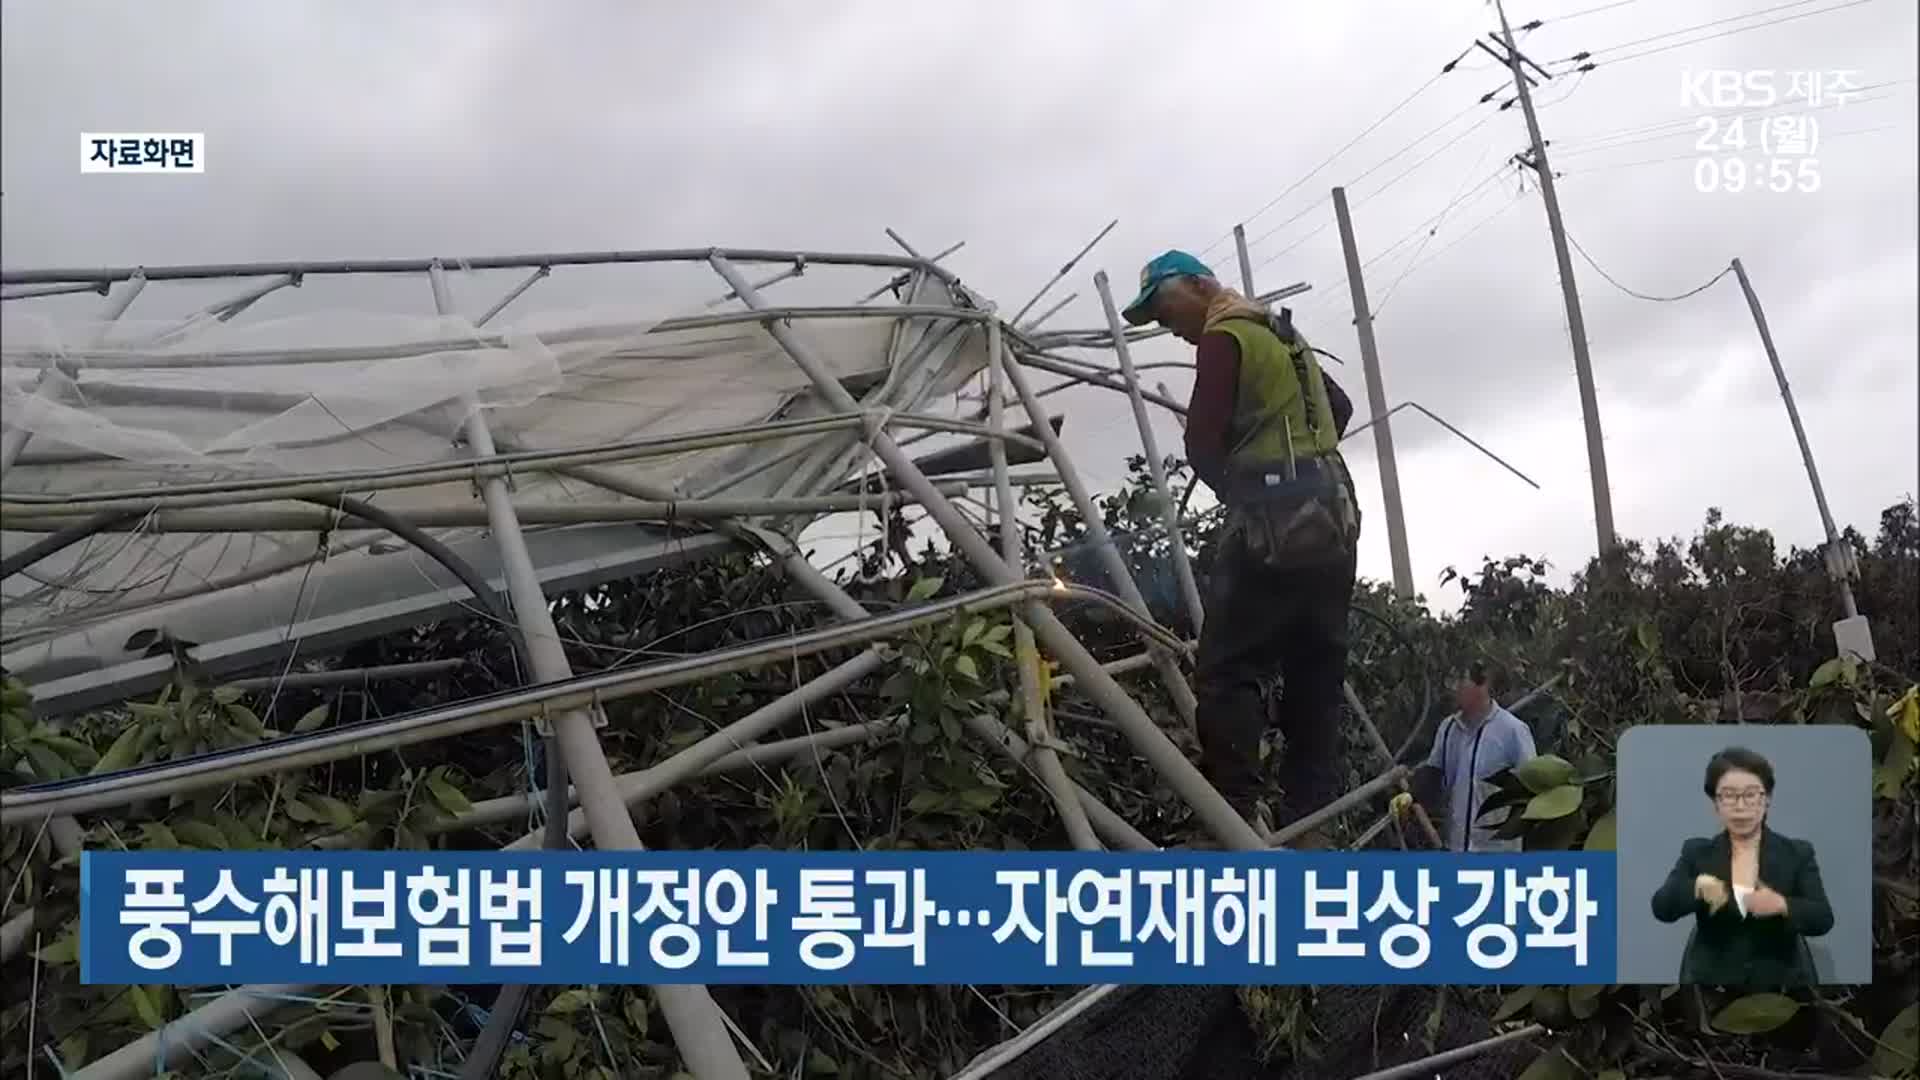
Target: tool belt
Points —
{"points": [[1293, 515]]}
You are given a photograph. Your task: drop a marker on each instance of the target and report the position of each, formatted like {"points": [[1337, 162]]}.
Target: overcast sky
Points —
{"points": [[363, 129]]}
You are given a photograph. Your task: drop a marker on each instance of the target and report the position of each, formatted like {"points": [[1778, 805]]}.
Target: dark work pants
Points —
{"points": [[1260, 622]]}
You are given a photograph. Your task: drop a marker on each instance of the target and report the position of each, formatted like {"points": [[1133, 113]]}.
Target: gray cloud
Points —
{"points": [[356, 129]]}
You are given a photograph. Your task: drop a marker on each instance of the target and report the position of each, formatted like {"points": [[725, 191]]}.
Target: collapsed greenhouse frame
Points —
{"points": [[937, 317]]}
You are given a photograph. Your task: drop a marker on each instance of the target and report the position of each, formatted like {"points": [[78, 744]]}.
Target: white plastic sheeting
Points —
{"points": [[150, 404]]}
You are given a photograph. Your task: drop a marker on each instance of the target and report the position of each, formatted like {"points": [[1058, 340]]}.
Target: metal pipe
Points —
{"points": [[1341, 805], [993, 1059], [638, 787], [120, 358], [223, 310], [1110, 826], [1063, 272], [307, 680], [177, 1040], [1103, 339], [1046, 761], [1033, 324], [1391, 760], [901, 279], [1048, 363], [372, 736], [1246, 261], [100, 287], [1102, 540], [793, 271], [16, 440], [290, 519], [1457, 433], [703, 755], [1432, 1064], [63, 275], [513, 294], [1148, 739], [698, 1026], [218, 493], [1156, 466]]}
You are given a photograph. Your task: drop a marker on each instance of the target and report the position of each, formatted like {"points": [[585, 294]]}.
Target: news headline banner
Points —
{"points": [[1019, 918]]}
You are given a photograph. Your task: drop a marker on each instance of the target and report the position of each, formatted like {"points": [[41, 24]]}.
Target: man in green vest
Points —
{"points": [[1263, 430]]}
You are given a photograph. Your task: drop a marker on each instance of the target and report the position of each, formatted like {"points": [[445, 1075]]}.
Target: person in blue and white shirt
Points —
{"points": [[1472, 745]]}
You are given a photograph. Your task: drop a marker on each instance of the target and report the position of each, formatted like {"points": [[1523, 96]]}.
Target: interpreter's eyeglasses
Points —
{"points": [[1748, 797]]}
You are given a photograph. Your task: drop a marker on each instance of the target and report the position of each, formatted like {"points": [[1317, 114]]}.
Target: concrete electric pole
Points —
{"points": [[1576, 324], [1376, 405]]}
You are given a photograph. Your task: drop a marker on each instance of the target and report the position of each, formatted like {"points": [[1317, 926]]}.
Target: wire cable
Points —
{"points": [[1570, 16], [1350, 144], [1696, 157], [1640, 295], [1726, 33]]}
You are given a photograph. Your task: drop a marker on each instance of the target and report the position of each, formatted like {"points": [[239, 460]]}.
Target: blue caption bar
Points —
{"points": [[1017, 918]]}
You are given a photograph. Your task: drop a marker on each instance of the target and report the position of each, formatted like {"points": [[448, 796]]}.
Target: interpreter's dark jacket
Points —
{"points": [[1731, 949]]}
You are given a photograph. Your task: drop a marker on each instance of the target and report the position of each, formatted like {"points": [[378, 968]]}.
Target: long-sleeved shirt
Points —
{"points": [[1216, 388], [1466, 754]]}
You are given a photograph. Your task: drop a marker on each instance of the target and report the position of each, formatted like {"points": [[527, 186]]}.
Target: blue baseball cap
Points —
{"points": [[1173, 264]]}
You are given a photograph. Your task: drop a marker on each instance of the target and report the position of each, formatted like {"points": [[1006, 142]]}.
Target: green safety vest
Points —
{"points": [[1268, 405]]}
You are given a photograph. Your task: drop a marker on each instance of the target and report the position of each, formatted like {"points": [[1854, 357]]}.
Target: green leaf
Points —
{"points": [[244, 719], [570, 1002], [964, 665], [1603, 835], [637, 1014], [47, 764], [125, 751], [820, 1062], [449, 797], [925, 801], [1890, 778], [924, 588], [227, 695], [1826, 674], [1584, 1000], [301, 811], [1544, 773], [155, 836], [239, 837], [1899, 1048], [201, 834], [973, 632], [64, 950], [314, 717], [1648, 640], [1552, 1065], [1755, 1014], [994, 647], [1550, 805], [147, 1009], [337, 813], [1000, 633], [980, 798], [1513, 1003]]}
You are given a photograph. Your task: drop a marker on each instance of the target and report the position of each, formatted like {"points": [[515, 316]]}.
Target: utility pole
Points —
{"points": [[1851, 634], [1576, 324], [1376, 404]]}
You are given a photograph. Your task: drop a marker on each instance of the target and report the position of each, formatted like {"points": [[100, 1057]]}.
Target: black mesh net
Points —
{"points": [[1203, 1033]]}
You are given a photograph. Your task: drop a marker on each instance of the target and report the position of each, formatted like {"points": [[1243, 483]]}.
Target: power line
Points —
{"points": [[1611, 280], [1588, 11], [1700, 26], [1368, 130], [1729, 33], [1431, 233], [1456, 241]]}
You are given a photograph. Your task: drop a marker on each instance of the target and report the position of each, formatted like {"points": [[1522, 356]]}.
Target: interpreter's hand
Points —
{"points": [[1712, 890], [1765, 903], [1402, 804]]}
